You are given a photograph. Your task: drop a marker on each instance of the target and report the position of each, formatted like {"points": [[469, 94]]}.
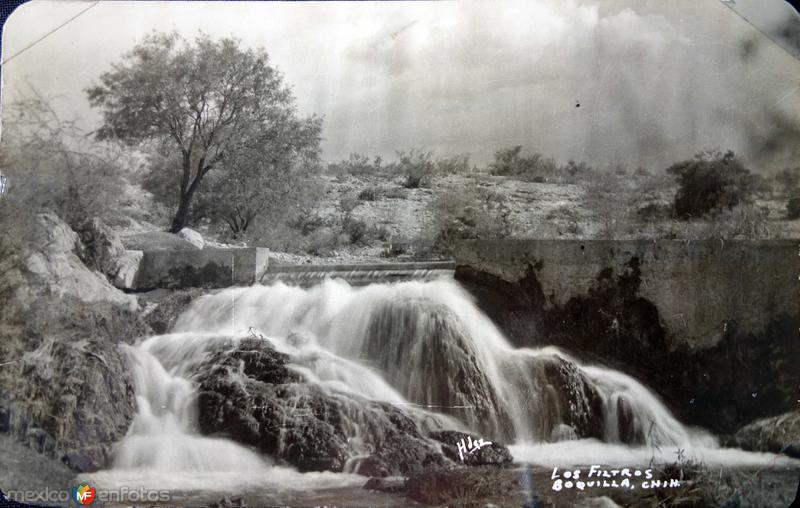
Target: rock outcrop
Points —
{"points": [[53, 268], [65, 385], [249, 393], [770, 434]]}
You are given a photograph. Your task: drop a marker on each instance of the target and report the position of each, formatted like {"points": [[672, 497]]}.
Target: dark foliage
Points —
{"points": [[710, 183]]}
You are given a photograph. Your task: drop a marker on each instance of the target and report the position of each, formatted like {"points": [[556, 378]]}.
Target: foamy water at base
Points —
{"points": [[277, 479], [584, 452]]}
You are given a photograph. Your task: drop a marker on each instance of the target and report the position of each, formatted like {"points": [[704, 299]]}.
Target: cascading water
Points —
{"points": [[431, 344], [423, 347]]}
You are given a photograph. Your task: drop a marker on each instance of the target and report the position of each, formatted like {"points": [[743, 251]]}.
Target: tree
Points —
{"points": [[272, 175], [710, 183], [199, 103]]}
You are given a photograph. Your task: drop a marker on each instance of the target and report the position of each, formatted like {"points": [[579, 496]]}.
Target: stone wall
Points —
{"points": [[698, 287]]}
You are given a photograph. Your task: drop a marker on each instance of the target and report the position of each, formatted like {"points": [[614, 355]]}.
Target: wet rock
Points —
{"points": [[249, 394], [162, 307], [192, 236], [448, 375], [392, 485], [770, 434], [367, 466], [792, 450], [492, 454]]}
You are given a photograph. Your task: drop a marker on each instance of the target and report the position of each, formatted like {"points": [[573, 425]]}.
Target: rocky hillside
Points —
{"points": [[65, 389]]}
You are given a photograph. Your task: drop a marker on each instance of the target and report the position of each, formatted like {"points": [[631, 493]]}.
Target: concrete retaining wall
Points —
{"points": [[698, 287], [200, 268]]}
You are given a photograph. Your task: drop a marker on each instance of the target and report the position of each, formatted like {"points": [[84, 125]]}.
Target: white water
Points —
{"points": [[422, 346]]}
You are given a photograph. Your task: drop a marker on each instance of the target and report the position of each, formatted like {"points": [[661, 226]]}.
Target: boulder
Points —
{"points": [[156, 240], [192, 236], [392, 484], [127, 269], [54, 268], [492, 454], [249, 394], [769, 434]]}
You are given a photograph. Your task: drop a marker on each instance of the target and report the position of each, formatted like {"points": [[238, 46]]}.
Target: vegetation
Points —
{"points": [[710, 183], [466, 214], [54, 167], [533, 167], [210, 105]]}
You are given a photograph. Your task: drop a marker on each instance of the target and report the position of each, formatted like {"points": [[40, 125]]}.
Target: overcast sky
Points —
{"points": [[655, 81]]}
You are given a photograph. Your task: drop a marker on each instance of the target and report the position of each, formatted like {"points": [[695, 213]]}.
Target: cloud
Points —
{"points": [[655, 81]]}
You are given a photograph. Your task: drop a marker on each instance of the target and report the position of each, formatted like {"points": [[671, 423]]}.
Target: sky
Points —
{"points": [[643, 83]]}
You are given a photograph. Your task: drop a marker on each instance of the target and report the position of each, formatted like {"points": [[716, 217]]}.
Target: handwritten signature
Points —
{"points": [[469, 446]]}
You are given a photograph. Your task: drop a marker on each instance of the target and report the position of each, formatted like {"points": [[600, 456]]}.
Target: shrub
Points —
{"points": [[456, 165], [573, 170], [355, 229], [465, 214], [742, 222], [370, 194], [56, 167], [322, 242], [511, 162], [416, 166], [356, 165], [793, 208], [710, 183]]}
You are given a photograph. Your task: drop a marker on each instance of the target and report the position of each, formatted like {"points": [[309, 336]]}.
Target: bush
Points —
{"points": [[465, 214], [370, 194], [710, 183], [416, 166], [793, 208], [356, 165], [57, 168], [747, 222], [322, 242], [456, 165], [573, 170], [534, 167], [356, 230]]}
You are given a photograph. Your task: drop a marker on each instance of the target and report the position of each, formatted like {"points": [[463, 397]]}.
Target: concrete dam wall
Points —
{"points": [[711, 326], [698, 287]]}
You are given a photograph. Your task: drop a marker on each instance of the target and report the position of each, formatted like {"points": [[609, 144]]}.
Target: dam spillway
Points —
{"points": [[358, 274]]}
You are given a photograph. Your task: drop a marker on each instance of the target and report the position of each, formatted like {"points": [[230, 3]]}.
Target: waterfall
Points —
{"points": [[427, 344], [422, 347]]}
